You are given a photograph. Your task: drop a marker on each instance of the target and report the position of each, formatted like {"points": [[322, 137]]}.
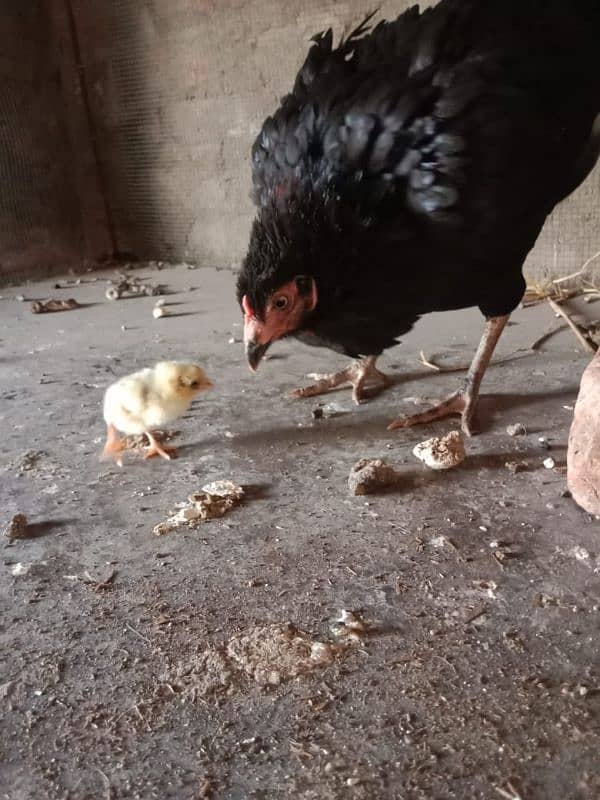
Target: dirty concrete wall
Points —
{"points": [[40, 227], [179, 90]]}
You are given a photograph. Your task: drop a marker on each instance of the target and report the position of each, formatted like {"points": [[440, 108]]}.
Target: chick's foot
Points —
{"points": [[113, 447], [157, 449], [462, 402], [362, 375]]}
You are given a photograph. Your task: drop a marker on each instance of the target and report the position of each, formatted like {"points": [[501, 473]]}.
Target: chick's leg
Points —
{"points": [[463, 401], [156, 449], [113, 447], [364, 377]]}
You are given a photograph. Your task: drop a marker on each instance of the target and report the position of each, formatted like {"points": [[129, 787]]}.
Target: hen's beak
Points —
{"points": [[254, 353]]}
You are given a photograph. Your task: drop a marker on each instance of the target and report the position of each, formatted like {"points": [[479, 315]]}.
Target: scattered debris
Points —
{"points": [[131, 286], [428, 363], [272, 654], [580, 553], [20, 298], [101, 585], [368, 476], [16, 528], [207, 674], [46, 306], [543, 600], [589, 346], [20, 568], [76, 282], [516, 466], [28, 461], [159, 311], [442, 453], [6, 689], [473, 617], [518, 429], [511, 794], [348, 625], [549, 463], [212, 501]]}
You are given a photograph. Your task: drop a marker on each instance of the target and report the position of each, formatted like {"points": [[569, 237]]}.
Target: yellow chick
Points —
{"points": [[149, 399]]}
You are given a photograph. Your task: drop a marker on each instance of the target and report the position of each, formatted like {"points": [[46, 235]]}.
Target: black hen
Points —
{"points": [[411, 170]]}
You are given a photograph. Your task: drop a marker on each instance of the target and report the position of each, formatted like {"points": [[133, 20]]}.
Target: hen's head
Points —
{"points": [[274, 289]]}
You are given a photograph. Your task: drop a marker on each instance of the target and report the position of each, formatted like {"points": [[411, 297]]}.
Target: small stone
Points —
{"points": [[370, 475], [516, 466], [549, 463], [16, 528], [442, 453], [318, 413], [580, 553], [20, 298], [159, 311], [516, 430], [583, 452]]}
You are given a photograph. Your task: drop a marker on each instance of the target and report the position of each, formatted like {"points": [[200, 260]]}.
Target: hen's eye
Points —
{"points": [[280, 302]]}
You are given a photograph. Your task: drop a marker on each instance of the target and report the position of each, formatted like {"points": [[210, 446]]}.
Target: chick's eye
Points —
{"points": [[280, 303]]}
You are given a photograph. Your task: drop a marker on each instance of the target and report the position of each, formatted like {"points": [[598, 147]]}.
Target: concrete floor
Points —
{"points": [[479, 674]]}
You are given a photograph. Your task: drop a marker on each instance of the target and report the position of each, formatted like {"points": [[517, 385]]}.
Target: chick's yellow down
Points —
{"points": [[149, 399]]}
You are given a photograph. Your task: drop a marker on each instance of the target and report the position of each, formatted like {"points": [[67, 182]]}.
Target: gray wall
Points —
{"points": [[175, 91], [39, 218], [179, 89]]}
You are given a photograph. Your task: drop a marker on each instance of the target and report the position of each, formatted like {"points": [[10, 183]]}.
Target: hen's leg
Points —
{"points": [[463, 401], [156, 449], [113, 447], [364, 377]]}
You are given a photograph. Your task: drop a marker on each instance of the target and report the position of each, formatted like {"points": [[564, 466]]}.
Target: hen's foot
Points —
{"points": [[364, 377], [464, 401], [461, 402], [157, 449]]}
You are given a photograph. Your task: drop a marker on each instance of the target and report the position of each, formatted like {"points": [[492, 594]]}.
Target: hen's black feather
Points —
{"points": [[412, 168]]}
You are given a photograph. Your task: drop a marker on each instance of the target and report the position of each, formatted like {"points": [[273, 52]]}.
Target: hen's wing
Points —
{"points": [[450, 116]]}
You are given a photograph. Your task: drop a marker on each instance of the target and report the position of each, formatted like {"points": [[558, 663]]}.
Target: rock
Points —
{"points": [[583, 453], [443, 453], [517, 430], [16, 528], [370, 475]]}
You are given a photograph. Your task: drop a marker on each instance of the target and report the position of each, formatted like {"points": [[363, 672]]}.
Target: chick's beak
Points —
{"points": [[255, 352]]}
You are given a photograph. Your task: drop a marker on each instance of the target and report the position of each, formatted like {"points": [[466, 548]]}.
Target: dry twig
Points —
{"points": [[587, 345]]}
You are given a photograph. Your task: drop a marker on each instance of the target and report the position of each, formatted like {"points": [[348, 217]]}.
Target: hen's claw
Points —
{"points": [[364, 377], [461, 402]]}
